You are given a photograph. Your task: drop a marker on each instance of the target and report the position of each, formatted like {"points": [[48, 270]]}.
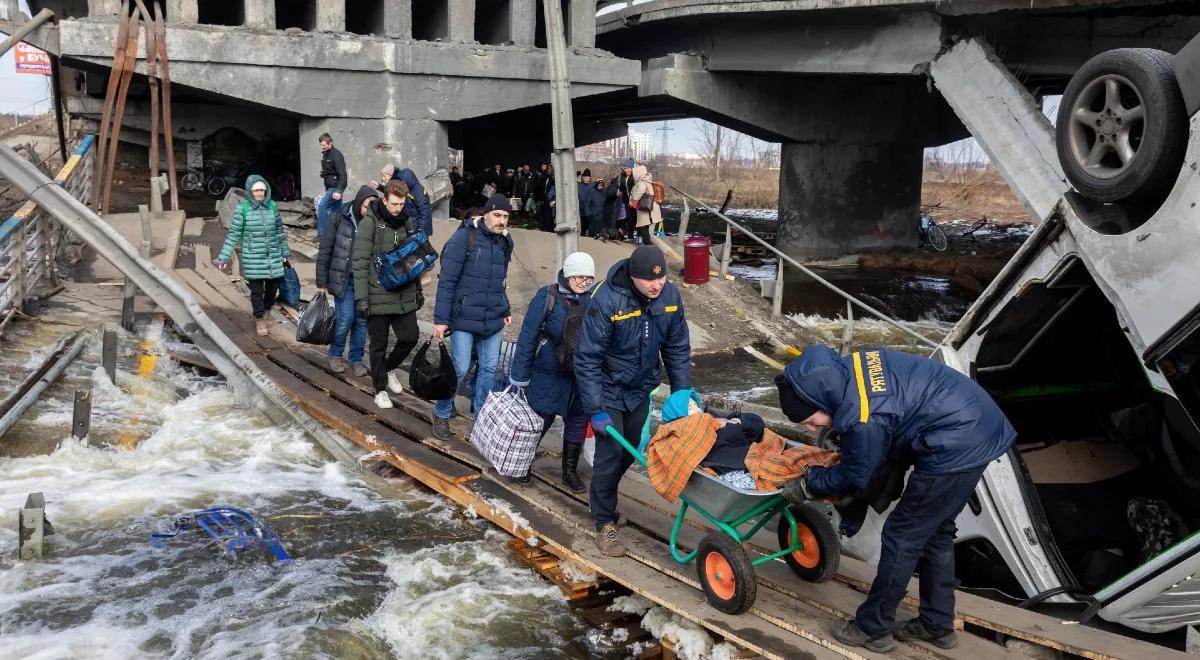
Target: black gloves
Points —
{"points": [[361, 308]]}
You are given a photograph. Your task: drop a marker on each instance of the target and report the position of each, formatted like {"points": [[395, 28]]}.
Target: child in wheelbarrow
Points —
{"points": [[737, 448]]}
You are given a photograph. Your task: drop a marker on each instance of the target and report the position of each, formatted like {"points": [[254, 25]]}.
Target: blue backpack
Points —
{"points": [[405, 262]]}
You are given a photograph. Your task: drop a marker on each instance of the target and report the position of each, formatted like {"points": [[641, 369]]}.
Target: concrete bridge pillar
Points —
{"points": [[397, 20], [581, 23], [837, 198], [331, 16], [260, 14], [182, 11], [419, 144], [462, 20], [98, 8], [523, 21]]}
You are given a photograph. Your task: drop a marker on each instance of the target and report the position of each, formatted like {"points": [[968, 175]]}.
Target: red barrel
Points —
{"points": [[695, 259]]}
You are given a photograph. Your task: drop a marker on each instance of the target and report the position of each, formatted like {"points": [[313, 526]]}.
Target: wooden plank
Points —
{"points": [[362, 430], [419, 408], [747, 631], [238, 327], [801, 621], [237, 304], [396, 419], [193, 227]]}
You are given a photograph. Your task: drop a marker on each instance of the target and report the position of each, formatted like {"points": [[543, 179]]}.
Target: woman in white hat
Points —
{"points": [[543, 362]]}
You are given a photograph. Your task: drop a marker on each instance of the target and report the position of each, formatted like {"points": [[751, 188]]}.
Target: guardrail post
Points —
{"points": [[19, 265], [46, 227], [848, 329], [684, 219], [130, 291], [727, 251], [777, 294], [81, 419], [108, 351], [32, 527]]}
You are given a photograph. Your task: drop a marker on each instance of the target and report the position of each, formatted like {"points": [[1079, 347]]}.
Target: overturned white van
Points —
{"points": [[1089, 340]]}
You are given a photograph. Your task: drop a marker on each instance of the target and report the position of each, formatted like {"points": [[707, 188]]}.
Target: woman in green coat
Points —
{"points": [[258, 228]]}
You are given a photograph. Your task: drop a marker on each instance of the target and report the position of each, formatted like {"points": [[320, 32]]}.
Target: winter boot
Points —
{"points": [[570, 464]]}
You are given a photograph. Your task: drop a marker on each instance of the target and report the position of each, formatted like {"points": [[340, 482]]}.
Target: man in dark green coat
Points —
{"points": [[384, 226], [256, 225]]}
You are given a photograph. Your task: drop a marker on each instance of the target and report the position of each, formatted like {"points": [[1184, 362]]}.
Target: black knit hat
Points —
{"points": [[647, 263], [587, 171], [790, 403], [497, 202]]}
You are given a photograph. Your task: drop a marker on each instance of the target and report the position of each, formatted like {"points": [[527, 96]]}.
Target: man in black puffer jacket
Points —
{"points": [[335, 276]]}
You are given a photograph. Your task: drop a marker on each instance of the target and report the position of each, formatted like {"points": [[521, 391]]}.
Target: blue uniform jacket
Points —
{"points": [[471, 294], [549, 390], [617, 359], [422, 217], [886, 403]]}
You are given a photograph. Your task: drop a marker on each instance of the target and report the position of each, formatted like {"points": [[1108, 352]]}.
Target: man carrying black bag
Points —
{"points": [[385, 226]]}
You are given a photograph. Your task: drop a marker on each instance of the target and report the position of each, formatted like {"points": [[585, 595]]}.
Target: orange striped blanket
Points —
{"points": [[677, 448]]}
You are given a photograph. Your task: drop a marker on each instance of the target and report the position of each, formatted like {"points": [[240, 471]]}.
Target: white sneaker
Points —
{"points": [[383, 401], [394, 383]]}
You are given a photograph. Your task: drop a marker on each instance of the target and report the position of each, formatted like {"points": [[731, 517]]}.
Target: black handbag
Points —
{"points": [[429, 380]]}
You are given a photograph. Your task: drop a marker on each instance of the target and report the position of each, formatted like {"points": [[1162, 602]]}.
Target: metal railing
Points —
{"points": [[30, 239], [776, 293]]}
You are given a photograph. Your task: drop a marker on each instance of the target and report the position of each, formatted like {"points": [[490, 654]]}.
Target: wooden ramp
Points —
{"points": [[789, 618]]}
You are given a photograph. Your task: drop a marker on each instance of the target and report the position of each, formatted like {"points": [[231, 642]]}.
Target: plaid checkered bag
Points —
{"points": [[507, 432]]}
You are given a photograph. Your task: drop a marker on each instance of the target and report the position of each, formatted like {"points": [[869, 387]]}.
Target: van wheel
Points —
{"points": [[1122, 129]]}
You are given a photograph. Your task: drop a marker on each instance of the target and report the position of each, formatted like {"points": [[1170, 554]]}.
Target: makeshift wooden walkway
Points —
{"points": [[550, 523]]}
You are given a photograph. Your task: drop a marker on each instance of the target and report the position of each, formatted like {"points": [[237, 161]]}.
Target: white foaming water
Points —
{"points": [[366, 569], [445, 595]]}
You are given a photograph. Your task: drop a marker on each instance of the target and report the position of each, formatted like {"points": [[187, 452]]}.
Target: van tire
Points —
{"points": [[1110, 155]]}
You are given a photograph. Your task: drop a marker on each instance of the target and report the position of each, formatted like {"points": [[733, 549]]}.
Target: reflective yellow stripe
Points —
{"points": [[597, 288], [672, 308], [627, 315], [864, 408]]}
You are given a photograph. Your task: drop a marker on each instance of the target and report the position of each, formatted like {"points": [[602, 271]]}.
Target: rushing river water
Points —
{"points": [[382, 568]]}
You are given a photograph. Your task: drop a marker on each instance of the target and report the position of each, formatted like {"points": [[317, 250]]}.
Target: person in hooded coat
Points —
{"points": [[335, 275], [258, 228], [384, 226], [618, 192], [420, 209], [647, 214], [892, 410], [535, 366]]}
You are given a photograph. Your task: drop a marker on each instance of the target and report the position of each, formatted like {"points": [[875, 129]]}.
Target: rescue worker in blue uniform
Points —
{"points": [[632, 318], [892, 410]]}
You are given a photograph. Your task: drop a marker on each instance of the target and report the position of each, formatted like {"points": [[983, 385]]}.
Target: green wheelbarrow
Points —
{"points": [[807, 540]]}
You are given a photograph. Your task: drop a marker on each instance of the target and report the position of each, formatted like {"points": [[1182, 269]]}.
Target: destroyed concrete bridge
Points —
{"points": [[854, 90]]}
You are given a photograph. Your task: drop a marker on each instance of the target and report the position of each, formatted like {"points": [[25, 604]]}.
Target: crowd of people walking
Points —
{"points": [[625, 207]]}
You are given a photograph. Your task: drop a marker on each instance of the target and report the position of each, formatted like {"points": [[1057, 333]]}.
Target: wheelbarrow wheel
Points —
{"points": [[817, 560], [726, 574]]}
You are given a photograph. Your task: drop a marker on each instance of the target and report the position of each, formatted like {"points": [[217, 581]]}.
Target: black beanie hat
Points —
{"points": [[792, 405], [497, 202], [647, 263], [587, 171]]}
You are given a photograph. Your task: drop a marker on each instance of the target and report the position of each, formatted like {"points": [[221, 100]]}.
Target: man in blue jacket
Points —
{"points": [[472, 303], [899, 409], [591, 205], [632, 318]]}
